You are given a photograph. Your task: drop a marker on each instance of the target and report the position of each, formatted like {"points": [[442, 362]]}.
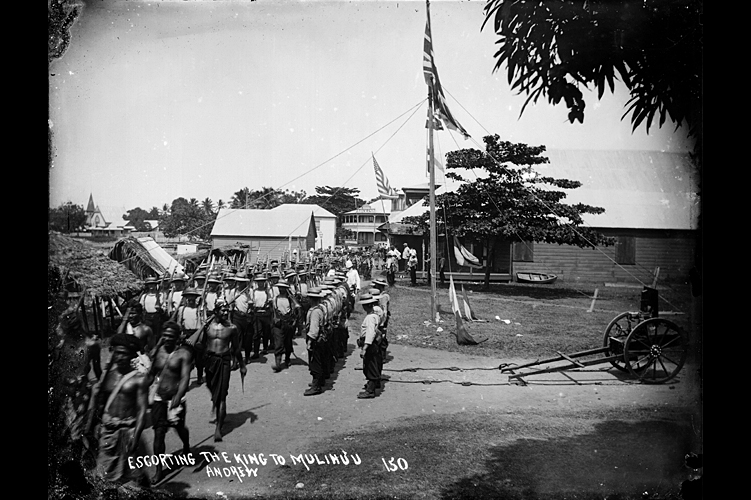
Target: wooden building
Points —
{"points": [[652, 209], [270, 233]]}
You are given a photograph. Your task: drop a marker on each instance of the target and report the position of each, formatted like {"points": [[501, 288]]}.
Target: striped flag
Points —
{"points": [[384, 189], [434, 84]]}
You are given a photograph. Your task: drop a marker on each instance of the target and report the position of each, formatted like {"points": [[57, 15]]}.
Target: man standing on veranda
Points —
{"points": [[405, 257]]}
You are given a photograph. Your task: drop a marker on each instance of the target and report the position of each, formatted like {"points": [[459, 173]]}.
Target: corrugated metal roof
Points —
{"points": [[304, 210], [638, 189], [273, 223]]}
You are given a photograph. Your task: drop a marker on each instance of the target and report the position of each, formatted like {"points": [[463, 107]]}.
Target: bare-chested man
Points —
{"points": [[121, 397], [222, 356], [171, 372], [133, 325]]}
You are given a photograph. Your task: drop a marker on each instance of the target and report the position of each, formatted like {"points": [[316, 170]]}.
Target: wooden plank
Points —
{"points": [[594, 299]]}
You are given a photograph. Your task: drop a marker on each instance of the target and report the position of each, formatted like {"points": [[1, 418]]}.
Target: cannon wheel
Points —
{"points": [[620, 327], [656, 350]]}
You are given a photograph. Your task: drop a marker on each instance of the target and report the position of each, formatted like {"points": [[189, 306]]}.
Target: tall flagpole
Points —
{"points": [[431, 164]]}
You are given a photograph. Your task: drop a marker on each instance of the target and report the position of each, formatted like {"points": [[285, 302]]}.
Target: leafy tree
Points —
{"points": [[509, 201], [552, 47], [186, 218], [337, 200], [66, 218], [138, 217], [265, 198]]}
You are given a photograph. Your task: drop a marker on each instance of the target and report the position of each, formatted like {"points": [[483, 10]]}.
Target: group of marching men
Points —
{"points": [[204, 322], [271, 307]]}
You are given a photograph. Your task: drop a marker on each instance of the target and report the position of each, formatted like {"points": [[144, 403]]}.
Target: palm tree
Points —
{"points": [[240, 198], [208, 206]]}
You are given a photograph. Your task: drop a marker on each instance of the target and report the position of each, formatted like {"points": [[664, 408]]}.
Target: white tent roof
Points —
{"points": [[160, 254]]}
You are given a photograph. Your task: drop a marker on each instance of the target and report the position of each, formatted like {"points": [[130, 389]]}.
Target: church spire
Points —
{"points": [[90, 207]]}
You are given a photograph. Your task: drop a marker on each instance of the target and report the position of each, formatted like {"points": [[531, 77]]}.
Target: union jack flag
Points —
{"points": [[434, 84], [384, 189]]}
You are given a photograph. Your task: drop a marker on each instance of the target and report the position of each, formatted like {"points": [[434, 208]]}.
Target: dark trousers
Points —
{"points": [[262, 332], [315, 361], [283, 338], [342, 337], [154, 320], [413, 274], [244, 325], [373, 363]]}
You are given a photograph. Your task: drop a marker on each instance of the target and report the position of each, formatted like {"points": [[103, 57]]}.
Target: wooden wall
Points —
{"points": [[671, 251], [273, 247]]}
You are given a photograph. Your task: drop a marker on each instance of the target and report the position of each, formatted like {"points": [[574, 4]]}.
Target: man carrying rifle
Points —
{"points": [[240, 314], [315, 339], [212, 292], [284, 319], [152, 306], [261, 303], [188, 318], [176, 295]]}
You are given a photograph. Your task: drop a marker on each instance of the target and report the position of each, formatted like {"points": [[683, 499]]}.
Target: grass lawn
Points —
{"points": [[523, 321]]}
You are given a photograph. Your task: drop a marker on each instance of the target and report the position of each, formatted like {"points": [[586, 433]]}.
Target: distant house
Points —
{"points": [[651, 206], [274, 232], [363, 224], [106, 222]]}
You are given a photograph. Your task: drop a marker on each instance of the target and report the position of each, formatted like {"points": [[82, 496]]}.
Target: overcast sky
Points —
{"points": [[161, 99]]}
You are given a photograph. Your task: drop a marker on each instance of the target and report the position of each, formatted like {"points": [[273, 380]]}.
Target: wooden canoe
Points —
{"points": [[539, 278]]}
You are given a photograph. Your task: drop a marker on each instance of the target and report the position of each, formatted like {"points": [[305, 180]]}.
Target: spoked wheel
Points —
{"points": [[656, 350], [619, 328]]}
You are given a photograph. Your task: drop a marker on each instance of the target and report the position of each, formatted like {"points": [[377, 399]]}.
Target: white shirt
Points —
{"points": [[353, 279]]}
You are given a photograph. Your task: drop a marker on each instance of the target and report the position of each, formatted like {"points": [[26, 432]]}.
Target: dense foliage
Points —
{"points": [[66, 218], [509, 200], [186, 218], [265, 198], [138, 217], [552, 47]]}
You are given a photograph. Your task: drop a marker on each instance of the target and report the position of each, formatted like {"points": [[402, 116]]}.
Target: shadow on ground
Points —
{"points": [[618, 460], [502, 456]]}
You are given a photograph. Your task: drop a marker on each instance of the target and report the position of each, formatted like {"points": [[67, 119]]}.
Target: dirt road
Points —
{"points": [[273, 417]]}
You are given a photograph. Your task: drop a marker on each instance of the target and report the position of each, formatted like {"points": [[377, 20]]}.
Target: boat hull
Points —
{"points": [[537, 278]]}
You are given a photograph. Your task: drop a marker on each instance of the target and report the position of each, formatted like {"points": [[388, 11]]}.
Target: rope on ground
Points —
{"points": [[450, 368], [428, 382]]}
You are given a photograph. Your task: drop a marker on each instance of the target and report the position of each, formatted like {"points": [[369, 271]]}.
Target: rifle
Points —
{"points": [[206, 285]]}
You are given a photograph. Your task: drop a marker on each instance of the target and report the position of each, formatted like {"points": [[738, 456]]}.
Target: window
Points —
{"points": [[625, 250], [524, 251]]}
